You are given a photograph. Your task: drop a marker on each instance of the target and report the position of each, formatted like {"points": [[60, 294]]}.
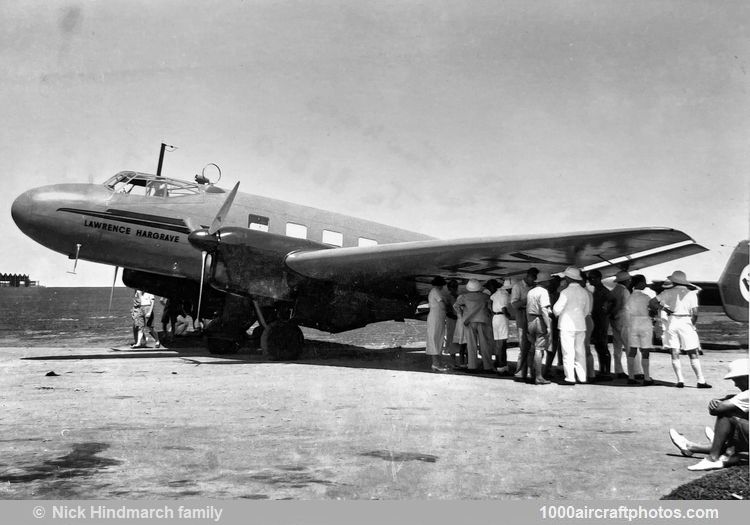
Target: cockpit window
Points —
{"points": [[143, 184]]}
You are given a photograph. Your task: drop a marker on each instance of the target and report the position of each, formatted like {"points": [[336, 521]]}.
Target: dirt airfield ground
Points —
{"points": [[343, 423]]}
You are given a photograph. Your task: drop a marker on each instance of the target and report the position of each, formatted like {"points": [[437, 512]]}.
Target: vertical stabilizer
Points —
{"points": [[734, 284]]}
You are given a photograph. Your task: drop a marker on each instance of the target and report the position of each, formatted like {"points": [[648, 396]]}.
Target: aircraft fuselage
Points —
{"points": [[149, 232], [142, 223]]}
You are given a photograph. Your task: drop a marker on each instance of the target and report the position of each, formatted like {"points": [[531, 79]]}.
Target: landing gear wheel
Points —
{"points": [[217, 345], [282, 341]]}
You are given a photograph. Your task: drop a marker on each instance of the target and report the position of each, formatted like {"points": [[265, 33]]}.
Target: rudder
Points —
{"points": [[734, 283]]}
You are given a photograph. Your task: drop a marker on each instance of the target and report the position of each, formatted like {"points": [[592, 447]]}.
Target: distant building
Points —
{"points": [[8, 280]]}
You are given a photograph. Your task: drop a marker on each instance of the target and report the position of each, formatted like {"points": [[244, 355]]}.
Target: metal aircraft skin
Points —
{"points": [[734, 283], [345, 272]]}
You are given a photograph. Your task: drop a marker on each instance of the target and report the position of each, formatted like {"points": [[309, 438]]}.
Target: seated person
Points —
{"points": [[184, 325], [731, 427]]}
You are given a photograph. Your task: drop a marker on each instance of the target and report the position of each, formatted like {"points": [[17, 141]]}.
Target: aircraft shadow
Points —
{"points": [[315, 353]]}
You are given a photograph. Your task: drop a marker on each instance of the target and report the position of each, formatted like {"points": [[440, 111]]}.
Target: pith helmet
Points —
{"points": [[738, 368], [622, 276], [679, 277]]}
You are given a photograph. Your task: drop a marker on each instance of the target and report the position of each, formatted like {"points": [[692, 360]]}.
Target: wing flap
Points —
{"points": [[644, 260]]}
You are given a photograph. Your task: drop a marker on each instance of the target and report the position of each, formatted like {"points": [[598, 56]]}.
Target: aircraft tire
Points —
{"points": [[219, 346], [282, 341]]}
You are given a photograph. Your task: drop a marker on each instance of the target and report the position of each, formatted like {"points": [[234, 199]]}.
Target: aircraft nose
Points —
{"points": [[23, 210], [35, 211]]}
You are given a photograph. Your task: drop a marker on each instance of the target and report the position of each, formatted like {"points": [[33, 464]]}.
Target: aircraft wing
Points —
{"points": [[488, 257]]}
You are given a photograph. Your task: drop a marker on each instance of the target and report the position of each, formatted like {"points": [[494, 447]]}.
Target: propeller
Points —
{"points": [[206, 239], [204, 254], [216, 224]]}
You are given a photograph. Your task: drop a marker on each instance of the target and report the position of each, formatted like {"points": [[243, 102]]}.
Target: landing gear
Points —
{"points": [[257, 334], [226, 333], [282, 341]]}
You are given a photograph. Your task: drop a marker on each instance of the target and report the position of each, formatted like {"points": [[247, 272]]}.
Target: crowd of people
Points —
{"points": [[562, 316]]}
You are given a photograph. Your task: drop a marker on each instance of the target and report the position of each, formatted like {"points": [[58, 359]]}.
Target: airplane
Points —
{"points": [[286, 265]]}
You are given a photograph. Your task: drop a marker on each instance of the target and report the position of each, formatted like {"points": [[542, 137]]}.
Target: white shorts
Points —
{"points": [[499, 327], [681, 334], [640, 332]]}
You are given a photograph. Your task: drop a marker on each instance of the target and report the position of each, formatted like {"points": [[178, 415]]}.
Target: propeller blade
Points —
{"points": [[112, 291], [216, 224], [200, 290]]}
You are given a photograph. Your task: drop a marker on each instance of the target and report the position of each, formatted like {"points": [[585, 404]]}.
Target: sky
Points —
{"points": [[450, 118]]}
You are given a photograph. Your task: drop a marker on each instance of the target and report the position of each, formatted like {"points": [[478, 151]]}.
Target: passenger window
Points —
{"points": [[257, 222], [297, 231], [333, 238], [363, 241]]}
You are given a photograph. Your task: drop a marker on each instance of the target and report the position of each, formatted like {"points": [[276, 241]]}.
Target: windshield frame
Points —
{"points": [[152, 186]]}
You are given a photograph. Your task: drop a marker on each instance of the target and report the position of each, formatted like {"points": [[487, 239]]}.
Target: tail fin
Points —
{"points": [[734, 284]]}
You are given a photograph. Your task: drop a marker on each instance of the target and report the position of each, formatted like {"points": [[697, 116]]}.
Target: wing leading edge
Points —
{"points": [[488, 257]]}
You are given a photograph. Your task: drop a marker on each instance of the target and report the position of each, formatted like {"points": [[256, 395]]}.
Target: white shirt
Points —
{"points": [[519, 292], [537, 300], [679, 300], [147, 299], [500, 300], [637, 303], [572, 308], [741, 401]]}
